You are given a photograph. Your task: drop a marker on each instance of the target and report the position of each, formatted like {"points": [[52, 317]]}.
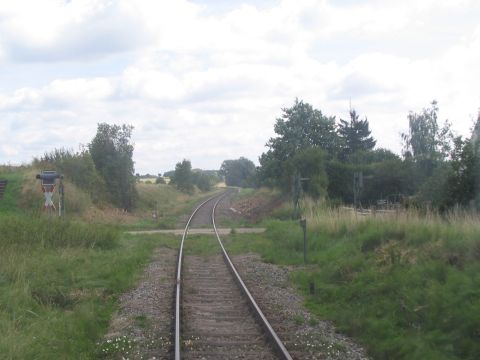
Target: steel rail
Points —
{"points": [[179, 279], [278, 344]]}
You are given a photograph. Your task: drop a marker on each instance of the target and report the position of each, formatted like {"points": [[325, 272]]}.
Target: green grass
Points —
{"points": [[9, 201], [59, 285], [202, 245], [407, 288]]}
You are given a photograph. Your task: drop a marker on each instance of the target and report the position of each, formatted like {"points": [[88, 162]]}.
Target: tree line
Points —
{"points": [[310, 150], [436, 168]]}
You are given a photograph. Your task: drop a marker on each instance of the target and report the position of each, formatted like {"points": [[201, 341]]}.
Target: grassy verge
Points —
{"points": [[59, 283], [407, 287]]}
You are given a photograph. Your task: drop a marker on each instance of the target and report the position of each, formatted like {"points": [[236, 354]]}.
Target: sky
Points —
{"points": [[206, 80]]}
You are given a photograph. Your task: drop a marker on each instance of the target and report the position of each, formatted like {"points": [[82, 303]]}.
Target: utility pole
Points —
{"points": [[61, 200], [357, 188], [303, 224], [297, 192]]}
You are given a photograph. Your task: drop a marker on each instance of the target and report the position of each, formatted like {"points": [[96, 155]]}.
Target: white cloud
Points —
{"points": [[209, 86]]}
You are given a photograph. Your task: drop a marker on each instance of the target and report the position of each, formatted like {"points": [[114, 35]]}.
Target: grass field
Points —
{"points": [[59, 283], [407, 287]]}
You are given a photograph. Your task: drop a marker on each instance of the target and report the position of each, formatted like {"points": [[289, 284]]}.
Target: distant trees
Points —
{"points": [[239, 172], [112, 153], [185, 179]]}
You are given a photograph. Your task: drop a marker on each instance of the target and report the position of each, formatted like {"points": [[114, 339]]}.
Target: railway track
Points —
{"points": [[216, 316]]}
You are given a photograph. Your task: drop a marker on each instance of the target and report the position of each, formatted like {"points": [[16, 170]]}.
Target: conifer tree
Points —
{"points": [[355, 134]]}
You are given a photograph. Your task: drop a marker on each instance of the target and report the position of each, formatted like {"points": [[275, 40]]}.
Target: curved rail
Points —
{"points": [[179, 279], [278, 344]]}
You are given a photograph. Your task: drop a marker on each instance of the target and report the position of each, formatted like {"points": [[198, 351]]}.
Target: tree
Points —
{"points": [[463, 184], [183, 176], [301, 127], [372, 156], [427, 143], [387, 179], [202, 180], [355, 135], [240, 172], [112, 153]]}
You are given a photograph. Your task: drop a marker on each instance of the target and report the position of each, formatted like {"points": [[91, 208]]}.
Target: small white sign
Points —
{"points": [[48, 199]]}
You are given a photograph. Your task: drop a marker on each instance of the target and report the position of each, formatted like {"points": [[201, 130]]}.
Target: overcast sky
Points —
{"points": [[206, 79]]}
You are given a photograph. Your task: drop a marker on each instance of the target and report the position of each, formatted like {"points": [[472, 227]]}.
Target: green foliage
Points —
{"points": [[202, 181], [387, 180], [371, 156], [9, 201], [426, 143], [112, 154], [300, 127], [355, 135], [160, 180], [310, 163], [441, 171], [77, 167], [240, 172], [183, 176], [456, 182], [340, 181]]}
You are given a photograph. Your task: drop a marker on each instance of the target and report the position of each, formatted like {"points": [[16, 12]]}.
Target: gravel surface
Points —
{"points": [[304, 336], [142, 325]]}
